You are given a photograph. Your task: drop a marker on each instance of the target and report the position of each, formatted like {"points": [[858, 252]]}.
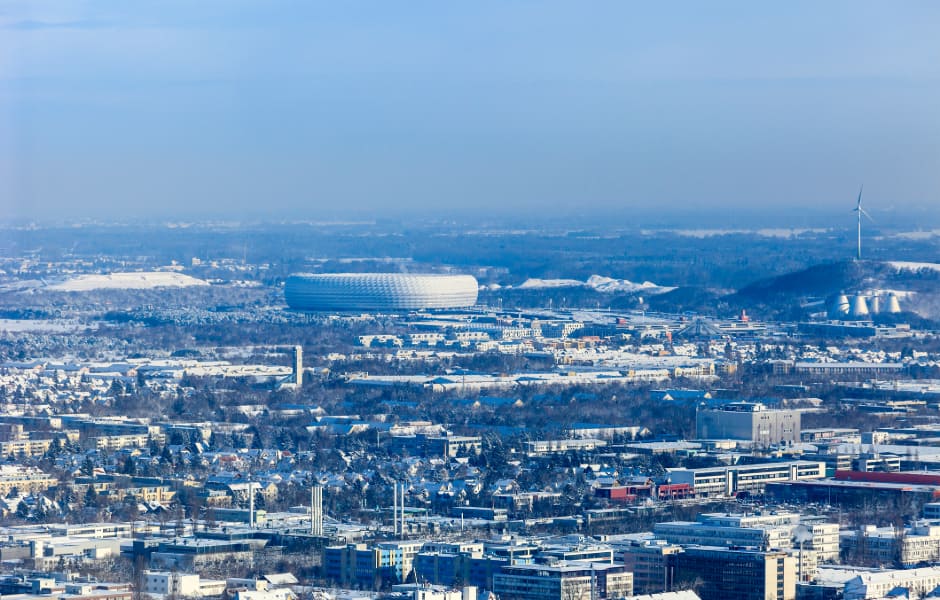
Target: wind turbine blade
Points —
{"points": [[859, 203], [862, 210]]}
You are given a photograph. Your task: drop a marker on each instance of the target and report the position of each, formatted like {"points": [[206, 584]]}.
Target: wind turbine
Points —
{"points": [[859, 212]]}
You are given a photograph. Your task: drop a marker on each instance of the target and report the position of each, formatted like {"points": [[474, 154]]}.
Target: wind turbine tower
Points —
{"points": [[859, 211]]}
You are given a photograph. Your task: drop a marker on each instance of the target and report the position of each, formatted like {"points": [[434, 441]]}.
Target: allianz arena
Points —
{"points": [[375, 292]]}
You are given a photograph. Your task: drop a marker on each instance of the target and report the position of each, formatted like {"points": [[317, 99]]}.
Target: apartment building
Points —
{"points": [[26, 480]]}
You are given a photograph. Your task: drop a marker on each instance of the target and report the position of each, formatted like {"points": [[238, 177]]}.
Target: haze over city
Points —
{"points": [[469, 301], [286, 110]]}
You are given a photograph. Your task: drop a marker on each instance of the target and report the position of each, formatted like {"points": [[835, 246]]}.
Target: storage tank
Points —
{"points": [[859, 306]]}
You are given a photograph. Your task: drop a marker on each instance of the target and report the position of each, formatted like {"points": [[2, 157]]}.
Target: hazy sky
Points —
{"points": [[312, 109]]}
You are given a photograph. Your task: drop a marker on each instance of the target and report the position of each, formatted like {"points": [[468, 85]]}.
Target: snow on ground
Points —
{"points": [[40, 325], [535, 284], [597, 282], [607, 284], [903, 265], [918, 235], [20, 285], [884, 292], [765, 232], [144, 280]]}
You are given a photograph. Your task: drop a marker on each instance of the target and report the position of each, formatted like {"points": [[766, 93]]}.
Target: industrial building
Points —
{"points": [[750, 421], [863, 305], [728, 481], [377, 292], [851, 493]]}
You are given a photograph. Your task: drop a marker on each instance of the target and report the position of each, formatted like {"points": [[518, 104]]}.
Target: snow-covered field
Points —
{"points": [[21, 285], [918, 235], [534, 283], [40, 325], [765, 232], [597, 282], [144, 280], [903, 265]]}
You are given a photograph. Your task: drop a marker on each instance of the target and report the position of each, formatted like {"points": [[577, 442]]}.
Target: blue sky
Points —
{"points": [[309, 109]]}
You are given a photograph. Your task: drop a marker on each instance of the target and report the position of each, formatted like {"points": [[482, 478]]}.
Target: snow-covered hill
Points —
{"points": [[598, 283], [144, 280]]}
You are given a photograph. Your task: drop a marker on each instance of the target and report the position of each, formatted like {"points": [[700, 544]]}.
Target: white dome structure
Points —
{"points": [[376, 292]]}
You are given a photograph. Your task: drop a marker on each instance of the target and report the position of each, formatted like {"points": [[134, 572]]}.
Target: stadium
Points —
{"points": [[377, 292]]}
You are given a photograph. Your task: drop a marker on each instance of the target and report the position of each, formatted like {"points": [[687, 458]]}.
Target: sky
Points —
{"points": [[306, 109]]}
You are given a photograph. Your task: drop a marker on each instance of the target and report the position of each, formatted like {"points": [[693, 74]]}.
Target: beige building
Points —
{"points": [[26, 480], [171, 583], [120, 442], [156, 493], [25, 447]]}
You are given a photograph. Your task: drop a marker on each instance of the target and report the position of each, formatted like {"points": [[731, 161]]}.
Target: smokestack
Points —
{"points": [[251, 505], [395, 508], [403, 510], [299, 365], [316, 510]]}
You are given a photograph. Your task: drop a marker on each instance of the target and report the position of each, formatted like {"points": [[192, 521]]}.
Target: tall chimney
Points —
{"points": [[402, 510], [299, 366], [251, 504], [395, 508], [316, 510]]}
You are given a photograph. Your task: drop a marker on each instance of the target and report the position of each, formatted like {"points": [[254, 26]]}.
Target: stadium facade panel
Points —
{"points": [[376, 292]]}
